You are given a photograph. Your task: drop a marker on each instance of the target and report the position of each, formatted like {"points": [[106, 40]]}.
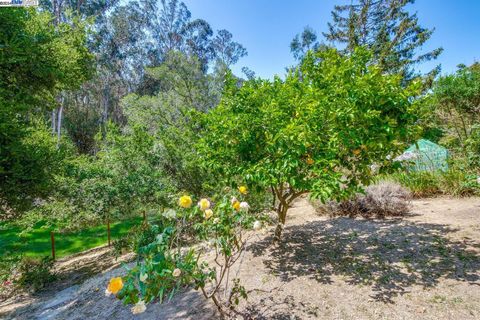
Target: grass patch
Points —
{"points": [[453, 182], [36, 243]]}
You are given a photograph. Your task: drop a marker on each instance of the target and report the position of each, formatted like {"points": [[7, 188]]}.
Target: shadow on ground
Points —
{"points": [[388, 255]]}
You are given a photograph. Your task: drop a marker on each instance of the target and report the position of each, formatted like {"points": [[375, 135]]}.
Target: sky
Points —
{"points": [[266, 28]]}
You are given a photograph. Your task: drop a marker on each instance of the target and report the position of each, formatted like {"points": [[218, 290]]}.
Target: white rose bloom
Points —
{"points": [[216, 221], [170, 214], [176, 273], [244, 206], [257, 225], [143, 277], [139, 307], [233, 200], [107, 293], [159, 238], [374, 167], [478, 179]]}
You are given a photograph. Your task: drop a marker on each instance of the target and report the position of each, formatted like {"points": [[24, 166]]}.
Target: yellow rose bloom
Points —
{"points": [[204, 204], [115, 285], [242, 189], [310, 161], [236, 205], [357, 152], [208, 213], [185, 202]]}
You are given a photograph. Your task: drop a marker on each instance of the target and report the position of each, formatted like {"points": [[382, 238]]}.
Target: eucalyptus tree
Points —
{"points": [[304, 42], [127, 38], [226, 50], [64, 11]]}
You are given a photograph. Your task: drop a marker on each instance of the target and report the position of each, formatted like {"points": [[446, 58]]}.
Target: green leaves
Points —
{"points": [[37, 61], [318, 130], [165, 265]]}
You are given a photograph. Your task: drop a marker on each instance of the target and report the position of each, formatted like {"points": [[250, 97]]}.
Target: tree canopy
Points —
{"points": [[37, 61], [318, 131], [386, 27]]}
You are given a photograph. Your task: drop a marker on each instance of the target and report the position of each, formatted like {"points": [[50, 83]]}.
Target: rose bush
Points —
{"points": [[170, 263]]}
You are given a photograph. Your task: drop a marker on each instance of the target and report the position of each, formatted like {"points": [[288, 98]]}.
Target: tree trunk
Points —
{"points": [[282, 218], [106, 102], [274, 198], [54, 121], [59, 125], [285, 199]]}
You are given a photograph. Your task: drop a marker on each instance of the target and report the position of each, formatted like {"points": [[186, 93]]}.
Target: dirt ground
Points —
{"points": [[424, 266]]}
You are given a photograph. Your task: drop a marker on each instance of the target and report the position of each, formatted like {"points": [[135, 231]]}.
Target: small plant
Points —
{"points": [[137, 237], [8, 265], [35, 273], [170, 265]]}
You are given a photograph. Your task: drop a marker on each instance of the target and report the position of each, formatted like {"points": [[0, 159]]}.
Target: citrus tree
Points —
{"points": [[317, 131]]}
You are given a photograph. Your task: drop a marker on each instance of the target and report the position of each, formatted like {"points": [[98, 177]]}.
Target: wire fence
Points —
{"points": [[42, 242]]}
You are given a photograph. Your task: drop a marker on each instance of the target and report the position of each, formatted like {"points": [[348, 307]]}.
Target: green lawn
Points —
{"points": [[37, 242]]}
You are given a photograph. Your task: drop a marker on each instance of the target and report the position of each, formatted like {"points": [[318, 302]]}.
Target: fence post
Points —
{"points": [[52, 239], [108, 231]]}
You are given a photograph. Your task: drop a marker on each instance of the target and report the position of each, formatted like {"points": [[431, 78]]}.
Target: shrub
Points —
{"points": [[137, 237], [472, 146], [382, 199], [458, 183], [35, 273], [8, 264]]}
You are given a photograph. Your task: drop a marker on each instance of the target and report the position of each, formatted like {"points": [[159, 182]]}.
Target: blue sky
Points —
{"points": [[266, 27]]}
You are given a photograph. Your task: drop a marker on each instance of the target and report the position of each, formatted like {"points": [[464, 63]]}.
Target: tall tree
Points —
{"points": [[37, 61], [303, 42], [387, 28], [171, 27], [133, 36], [226, 50], [64, 11], [81, 8]]}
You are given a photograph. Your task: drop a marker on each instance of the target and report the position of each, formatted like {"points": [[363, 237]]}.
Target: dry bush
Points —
{"points": [[380, 200]]}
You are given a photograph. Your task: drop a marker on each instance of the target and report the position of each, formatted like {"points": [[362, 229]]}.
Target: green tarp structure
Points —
{"points": [[426, 155]]}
